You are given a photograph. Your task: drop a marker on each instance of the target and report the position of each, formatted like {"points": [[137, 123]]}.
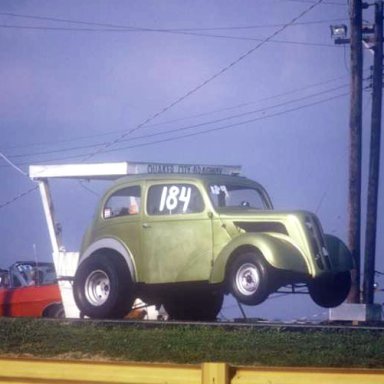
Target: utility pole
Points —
{"points": [[355, 129], [374, 159]]}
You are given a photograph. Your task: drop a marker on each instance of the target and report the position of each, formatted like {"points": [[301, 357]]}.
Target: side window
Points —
{"points": [[171, 199], [123, 202], [4, 279]]}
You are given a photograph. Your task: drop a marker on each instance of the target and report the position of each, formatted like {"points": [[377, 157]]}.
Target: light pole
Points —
{"points": [[363, 34], [339, 33], [374, 157]]}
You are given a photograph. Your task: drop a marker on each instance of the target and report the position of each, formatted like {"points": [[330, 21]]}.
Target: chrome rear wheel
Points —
{"points": [[97, 287], [103, 287]]}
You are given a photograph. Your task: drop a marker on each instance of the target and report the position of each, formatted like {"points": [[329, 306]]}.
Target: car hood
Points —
{"points": [[249, 214]]}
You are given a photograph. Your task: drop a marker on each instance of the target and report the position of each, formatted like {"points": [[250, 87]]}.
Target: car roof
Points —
{"points": [[205, 178]]}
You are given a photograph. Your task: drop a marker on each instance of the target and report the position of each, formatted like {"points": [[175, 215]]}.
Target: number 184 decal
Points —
{"points": [[174, 195]]}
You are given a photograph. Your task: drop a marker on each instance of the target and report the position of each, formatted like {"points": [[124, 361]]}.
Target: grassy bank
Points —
{"points": [[193, 344]]}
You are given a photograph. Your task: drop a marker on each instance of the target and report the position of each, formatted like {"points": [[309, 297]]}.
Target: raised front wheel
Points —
{"points": [[330, 290]]}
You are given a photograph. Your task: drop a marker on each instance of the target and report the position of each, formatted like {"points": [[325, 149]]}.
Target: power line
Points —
{"points": [[235, 124], [260, 26], [186, 31], [159, 141], [311, 2], [57, 150], [189, 127], [241, 105], [66, 20], [197, 125], [61, 20], [9, 162], [203, 84], [231, 117], [19, 196], [147, 29], [194, 90], [42, 28], [14, 166]]}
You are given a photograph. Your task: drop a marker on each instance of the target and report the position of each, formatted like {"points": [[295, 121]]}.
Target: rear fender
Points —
{"points": [[111, 244], [277, 250], [340, 257]]}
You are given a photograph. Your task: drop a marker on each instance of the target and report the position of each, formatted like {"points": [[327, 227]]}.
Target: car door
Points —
{"points": [[27, 300], [176, 235]]}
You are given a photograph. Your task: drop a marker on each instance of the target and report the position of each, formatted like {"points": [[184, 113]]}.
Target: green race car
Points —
{"points": [[185, 240]]}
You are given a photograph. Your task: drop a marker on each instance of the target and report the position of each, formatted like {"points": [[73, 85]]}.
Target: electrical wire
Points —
{"points": [[23, 194], [202, 124], [204, 131], [197, 125], [9, 162], [233, 125], [177, 120], [204, 83], [134, 29], [194, 90], [41, 28], [311, 2], [14, 166], [261, 26], [177, 138], [91, 191]]}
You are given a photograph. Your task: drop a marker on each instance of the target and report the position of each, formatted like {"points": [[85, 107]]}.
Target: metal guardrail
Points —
{"points": [[23, 371]]}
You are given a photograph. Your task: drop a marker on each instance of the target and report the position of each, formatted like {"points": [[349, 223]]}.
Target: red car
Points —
{"points": [[30, 289]]}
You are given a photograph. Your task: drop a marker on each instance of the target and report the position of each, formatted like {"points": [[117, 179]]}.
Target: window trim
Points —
{"points": [[125, 215]]}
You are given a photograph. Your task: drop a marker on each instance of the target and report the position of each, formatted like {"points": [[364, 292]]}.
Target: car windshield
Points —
{"points": [[237, 196], [34, 274]]}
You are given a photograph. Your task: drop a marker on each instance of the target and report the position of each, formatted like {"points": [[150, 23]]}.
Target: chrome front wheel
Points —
{"points": [[248, 278]]}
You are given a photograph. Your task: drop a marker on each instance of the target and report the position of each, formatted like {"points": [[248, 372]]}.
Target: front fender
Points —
{"points": [[277, 250], [110, 243], [339, 255]]}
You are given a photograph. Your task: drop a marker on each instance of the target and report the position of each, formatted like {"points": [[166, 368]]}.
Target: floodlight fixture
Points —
{"points": [[339, 34]]}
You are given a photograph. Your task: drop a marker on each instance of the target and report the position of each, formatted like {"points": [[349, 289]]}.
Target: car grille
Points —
{"points": [[316, 238]]}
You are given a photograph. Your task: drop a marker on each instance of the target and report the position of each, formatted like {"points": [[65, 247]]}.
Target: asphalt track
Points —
{"points": [[373, 326]]}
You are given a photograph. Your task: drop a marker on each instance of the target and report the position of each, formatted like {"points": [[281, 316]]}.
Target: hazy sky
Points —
{"points": [[258, 83]]}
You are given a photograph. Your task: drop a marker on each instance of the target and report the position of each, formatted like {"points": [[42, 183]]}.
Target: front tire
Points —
{"points": [[55, 311], [103, 287], [249, 278], [330, 290]]}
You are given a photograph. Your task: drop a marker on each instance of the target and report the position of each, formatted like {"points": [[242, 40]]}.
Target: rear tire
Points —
{"points": [[330, 290], [248, 278], [197, 306], [103, 287]]}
